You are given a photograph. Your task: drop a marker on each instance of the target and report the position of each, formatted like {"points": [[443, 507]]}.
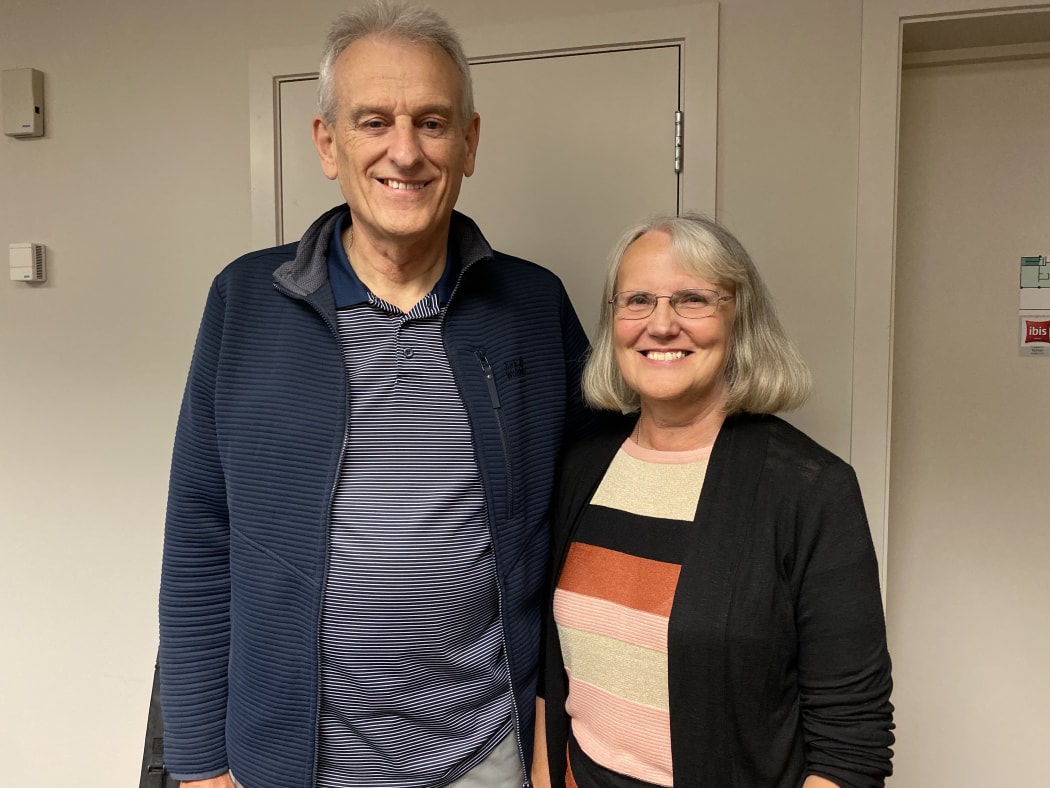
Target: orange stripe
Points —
{"points": [[637, 583]]}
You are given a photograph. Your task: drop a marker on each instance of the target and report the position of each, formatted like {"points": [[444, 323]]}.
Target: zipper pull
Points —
{"points": [[490, 379]]}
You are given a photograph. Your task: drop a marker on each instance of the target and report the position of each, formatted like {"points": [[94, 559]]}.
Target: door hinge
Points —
{"points": [[679, 121]]}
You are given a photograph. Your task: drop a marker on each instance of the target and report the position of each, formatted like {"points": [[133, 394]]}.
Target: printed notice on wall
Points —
{"points": [[1034, 314]]}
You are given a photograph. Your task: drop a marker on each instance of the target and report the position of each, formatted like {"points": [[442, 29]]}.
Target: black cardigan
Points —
{"points": [[777, 660]]}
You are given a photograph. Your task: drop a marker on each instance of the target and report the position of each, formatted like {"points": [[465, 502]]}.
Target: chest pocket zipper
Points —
{"points": [[490, 382]]}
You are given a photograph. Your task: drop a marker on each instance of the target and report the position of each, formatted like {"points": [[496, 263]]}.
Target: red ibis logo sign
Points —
{"points": [[1037, 331]]}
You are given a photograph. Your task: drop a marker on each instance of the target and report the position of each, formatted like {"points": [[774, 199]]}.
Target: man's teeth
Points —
{"points": [[668, 355], [403, 185]]}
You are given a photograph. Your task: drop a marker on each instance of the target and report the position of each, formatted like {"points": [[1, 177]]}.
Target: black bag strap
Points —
{"points": [[154, 775]]}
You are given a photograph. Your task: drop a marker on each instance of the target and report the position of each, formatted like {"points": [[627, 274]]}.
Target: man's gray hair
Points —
{"points": [[764, 372], [401, 22]]}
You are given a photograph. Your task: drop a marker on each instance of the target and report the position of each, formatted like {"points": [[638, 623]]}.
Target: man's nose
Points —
{"points": [[404, 145]]}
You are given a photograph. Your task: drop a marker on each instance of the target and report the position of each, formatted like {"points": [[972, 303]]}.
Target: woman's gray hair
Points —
{"points": [[764, 372], [401, 22]]}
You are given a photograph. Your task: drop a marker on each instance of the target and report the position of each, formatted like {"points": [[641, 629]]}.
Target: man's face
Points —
{"points": [[398, 147]]}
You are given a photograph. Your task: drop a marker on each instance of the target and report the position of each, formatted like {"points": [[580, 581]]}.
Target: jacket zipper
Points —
{"points": [[327, 539], [526, 779], [490, 382], [328, 518]]}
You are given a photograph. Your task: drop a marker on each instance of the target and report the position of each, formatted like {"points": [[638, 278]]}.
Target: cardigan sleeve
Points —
{"points": [[195, 574], [581, 468], [844, 665]]}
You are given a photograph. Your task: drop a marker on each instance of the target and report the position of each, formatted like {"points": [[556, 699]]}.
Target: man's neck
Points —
{"points": [[400, 274]]}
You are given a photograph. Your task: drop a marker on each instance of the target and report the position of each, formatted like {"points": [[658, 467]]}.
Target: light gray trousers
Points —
{"points": [[502, 769]]}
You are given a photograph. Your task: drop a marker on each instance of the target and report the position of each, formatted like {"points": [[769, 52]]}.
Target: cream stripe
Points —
{"points": [[603, 617], [631, 672], [626, 737], [667, 490]]}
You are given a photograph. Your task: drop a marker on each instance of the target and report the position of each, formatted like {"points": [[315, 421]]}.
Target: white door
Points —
{"points": [[574, 149]]}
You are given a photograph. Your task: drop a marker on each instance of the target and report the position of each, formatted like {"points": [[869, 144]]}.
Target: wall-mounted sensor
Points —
{"points": [[27, 263], [22, 92]]}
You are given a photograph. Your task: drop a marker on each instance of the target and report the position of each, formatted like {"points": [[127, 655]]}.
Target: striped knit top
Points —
{"points": [[612, 605]]}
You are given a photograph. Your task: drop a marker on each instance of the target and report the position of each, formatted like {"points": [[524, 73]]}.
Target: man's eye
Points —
{"points": [[432, 125]]}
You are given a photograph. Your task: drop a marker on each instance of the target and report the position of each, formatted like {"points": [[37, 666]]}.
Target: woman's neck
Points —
{"points": [[677, 432]]}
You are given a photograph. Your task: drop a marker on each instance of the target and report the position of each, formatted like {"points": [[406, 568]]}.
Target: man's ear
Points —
{"points": [[324, 141], [473, 132]]}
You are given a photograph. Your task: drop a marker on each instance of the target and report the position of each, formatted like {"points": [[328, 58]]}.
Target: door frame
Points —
{"points": [[882, 35], [694, 27]]}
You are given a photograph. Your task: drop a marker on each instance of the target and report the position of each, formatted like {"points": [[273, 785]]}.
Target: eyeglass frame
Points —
{"points": [[622, 312]]}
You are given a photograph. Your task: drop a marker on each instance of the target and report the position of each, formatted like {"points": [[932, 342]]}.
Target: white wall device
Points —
{"points": [[27, 263], [22, 92]]}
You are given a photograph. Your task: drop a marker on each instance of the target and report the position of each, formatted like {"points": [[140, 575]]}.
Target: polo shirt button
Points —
{"points": [[409, 352]]}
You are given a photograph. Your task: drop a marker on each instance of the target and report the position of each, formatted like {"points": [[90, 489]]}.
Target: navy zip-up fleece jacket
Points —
{"points": [[260, 436]]}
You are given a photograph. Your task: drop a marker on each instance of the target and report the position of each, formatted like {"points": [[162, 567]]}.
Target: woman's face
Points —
{"points": [[676, 364]]}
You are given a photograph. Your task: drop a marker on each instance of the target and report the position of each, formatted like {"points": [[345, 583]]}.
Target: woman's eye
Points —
{"points": [[694, 298]]}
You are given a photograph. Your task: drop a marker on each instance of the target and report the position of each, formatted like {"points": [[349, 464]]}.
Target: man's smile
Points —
{"points": [[395, 184]]}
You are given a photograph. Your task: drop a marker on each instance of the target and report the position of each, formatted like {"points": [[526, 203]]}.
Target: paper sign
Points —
{"points": [[1034, 312]]}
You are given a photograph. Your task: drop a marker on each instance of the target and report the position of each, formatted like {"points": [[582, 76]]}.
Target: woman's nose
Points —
{"points": [[663, 320]]}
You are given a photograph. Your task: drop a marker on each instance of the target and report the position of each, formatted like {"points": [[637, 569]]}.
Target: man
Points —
{"points": [[356, 535]]}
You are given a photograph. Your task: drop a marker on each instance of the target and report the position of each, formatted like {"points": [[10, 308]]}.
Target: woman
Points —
{"points": [[716, 618]]}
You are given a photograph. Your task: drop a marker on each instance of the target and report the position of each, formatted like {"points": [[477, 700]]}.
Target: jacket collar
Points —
{"points": [[307, 272]]}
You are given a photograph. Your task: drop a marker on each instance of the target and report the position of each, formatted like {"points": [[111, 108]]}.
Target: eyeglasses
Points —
{"points": [[636, 304]]}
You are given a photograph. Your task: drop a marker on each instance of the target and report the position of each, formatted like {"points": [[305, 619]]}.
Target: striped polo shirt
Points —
{"points": [[415, 687], [612, 605]]}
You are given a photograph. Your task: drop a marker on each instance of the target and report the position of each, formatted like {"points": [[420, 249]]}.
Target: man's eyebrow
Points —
{"points": [[445, 110], [359, 113]]}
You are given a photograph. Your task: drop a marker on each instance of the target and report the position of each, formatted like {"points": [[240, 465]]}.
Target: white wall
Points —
{"points": [[141, 191], [969, 591]]}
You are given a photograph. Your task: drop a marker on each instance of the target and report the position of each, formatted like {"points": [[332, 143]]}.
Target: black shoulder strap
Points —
{"points": [[154, 775]]}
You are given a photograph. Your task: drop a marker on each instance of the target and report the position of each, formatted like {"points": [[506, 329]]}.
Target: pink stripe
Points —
{"points": [[626, 737], [602, 617]]}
